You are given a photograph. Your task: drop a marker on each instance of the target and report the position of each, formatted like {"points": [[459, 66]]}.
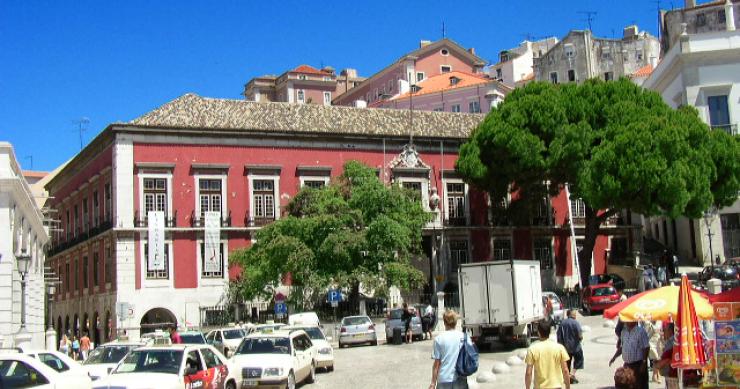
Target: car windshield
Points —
{"points": [[396, 314], [192, 338], [604, 291], [313, 333], [355, 321], [107, 354], [264, 346], [233, 334], [151, 361]]}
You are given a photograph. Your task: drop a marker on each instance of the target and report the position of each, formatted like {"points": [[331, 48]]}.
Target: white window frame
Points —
{"points": [[424, 188], [302, 180], [423, 77], [224, 201], [327, 98], [455, 108], [441, 70], [576, 205], [476, 103], [212, 281], [300, 96], [446, 181], [552, 252], [449, 250], [511, 247], [142, 208], [276, 188], [168, 282]]}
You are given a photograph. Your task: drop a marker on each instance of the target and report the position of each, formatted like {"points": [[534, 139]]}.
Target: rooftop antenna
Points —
{"points": [[444, 33], [82, 127], [590, 16]]}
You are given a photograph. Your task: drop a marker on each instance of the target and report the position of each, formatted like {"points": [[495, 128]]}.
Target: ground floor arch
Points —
{"points": [[157, 319]]}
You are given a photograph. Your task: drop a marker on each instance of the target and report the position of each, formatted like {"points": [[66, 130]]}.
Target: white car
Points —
{"points": [[276, 360], [103, 359], [62, 363], [304, 319], [226, 340], [324, 350], [177, 366], [24, 371], [268, 328], [558, 313]]}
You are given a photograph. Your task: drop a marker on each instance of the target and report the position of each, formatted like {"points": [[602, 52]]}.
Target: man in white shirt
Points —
{"points": [[445, 351]]}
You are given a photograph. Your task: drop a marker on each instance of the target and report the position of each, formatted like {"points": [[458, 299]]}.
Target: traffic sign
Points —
{"points": [[335, 295], [281, 309]]}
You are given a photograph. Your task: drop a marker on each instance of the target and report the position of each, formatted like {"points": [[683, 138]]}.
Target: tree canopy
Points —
{"points": [[616, 145], [354, 231]]}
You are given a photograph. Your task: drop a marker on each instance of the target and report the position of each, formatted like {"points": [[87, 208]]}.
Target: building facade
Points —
{"points": [[516, 65], [303, 85], [431, 59], [22, 232], [580, 56], [708, 17], [702, 69]]}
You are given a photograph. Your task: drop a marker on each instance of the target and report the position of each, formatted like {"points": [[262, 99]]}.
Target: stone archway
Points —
{"points": [[108, 327], [85, 328], [157, 319], [76, 326], [95, 334], [66, 325]]}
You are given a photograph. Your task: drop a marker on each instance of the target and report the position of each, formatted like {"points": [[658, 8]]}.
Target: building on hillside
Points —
{"points": [[455, 91], [580, 56], [702, 69], [245, 161], [304, 85], [430, 59], [22, 232], [699, 19], [516, 66]]}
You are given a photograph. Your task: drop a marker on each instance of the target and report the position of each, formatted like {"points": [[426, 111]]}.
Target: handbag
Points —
{"points": [[467, 358]]}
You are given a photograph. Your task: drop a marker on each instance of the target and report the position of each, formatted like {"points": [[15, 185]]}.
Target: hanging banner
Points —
{"points": [[156, 255], [212, 243]]}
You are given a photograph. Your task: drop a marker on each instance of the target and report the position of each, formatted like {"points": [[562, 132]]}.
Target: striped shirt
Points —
{"points": [[634, 344]]}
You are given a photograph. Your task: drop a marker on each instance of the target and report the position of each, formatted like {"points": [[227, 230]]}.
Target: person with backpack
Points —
{"points": [[448, 370], [548, 360]]}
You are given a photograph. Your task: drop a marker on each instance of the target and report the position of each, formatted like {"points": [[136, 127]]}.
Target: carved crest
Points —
{"points": [[408, 158]]}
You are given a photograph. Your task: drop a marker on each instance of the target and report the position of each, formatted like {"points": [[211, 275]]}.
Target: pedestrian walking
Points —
{"points": [[406, 317], [427, 321], [647, 277], [570, 336], [75, 348], [635, 348], [656, 346], [174, 336], [664, 364], [64, 345], [445, 352], [84, 346], [662, 276], [674, 262], [548, 361]]}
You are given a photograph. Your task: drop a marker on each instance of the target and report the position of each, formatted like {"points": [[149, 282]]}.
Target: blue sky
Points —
{"points": [[111, 61]]}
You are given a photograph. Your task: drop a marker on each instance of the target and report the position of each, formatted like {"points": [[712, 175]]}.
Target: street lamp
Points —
{"points": [[51, 289], [708, 216], [24, 262]]}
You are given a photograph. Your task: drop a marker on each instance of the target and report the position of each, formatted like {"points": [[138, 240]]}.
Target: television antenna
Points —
{"points": [[590, 16], [82, 127]]}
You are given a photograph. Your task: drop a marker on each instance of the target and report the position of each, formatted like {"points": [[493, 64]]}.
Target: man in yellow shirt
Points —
{"points": [[549, 360]]}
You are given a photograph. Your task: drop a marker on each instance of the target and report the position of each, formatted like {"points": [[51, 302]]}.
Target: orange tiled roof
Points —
{"points": [[308, 69], [643, 71], [441, 82], [34, 174], [528, 77]]}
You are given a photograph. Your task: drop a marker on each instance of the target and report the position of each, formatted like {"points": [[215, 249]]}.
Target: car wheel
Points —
{"points": [[311, 375], [330, 368], [291, 381], [341, 345], [375, 342]]}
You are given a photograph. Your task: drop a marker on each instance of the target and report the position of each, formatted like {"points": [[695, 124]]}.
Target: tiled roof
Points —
{"points": [[34, 174], [193, 111], [442, 82], [643, 71], [308, 70]]}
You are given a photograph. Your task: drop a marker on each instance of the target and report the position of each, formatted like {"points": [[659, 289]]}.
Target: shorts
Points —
{"points": [[459, 383], [576, 360]]}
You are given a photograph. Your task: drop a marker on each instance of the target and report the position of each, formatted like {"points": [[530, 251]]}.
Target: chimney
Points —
{"points": [[689, 4], [424, 43], [630, 31], [471, 50], [349, 72]]}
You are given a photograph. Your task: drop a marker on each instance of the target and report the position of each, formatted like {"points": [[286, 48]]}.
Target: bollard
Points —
{"points": [[51, 339], [23, 340], [363, 307]]}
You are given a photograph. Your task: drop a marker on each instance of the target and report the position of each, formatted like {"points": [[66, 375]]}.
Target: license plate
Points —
{"points": [[358, 335], [249, 383]]}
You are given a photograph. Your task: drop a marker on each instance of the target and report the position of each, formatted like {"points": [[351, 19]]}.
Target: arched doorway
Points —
{"points": [[76, 326], [95, 329], [85, 325], [108, 327], [66, 325], [60, 329], [157, 319]]}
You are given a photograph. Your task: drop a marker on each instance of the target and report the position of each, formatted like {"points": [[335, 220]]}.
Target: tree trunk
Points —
{"points": [[593, 222]]}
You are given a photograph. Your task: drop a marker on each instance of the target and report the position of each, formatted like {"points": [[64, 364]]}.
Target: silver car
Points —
{"points": [[356, 330], [558, 313], [393, 320]]}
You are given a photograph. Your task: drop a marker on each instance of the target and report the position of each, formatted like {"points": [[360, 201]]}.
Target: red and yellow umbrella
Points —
{"points": [[688, 350], [657, 304]]}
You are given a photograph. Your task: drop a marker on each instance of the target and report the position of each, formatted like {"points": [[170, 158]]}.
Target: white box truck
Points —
{"points": [[500, 300]]}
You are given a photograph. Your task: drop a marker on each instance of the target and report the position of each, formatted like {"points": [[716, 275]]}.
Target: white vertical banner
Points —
{"points": [[156, 258], [212, 242]]}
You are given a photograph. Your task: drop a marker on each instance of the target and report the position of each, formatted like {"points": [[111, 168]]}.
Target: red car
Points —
{"points": [[598, 298]]}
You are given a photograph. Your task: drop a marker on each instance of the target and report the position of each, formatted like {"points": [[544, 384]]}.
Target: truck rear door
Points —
{"points": [[528, 287], [473, 294], [501, 291]]}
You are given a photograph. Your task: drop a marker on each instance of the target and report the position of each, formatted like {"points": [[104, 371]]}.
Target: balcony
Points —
{"points": [[80, 237], [143, 222], [257, 221], [456, 221], [200, 222], [728, 128], [542, 221]]}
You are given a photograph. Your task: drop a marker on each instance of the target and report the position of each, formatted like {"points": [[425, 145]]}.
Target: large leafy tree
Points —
{"points": [[616, 145], [356, 231]]}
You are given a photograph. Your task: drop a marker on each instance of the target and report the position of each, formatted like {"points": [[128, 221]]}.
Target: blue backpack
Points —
{"points": [[467, 359]]}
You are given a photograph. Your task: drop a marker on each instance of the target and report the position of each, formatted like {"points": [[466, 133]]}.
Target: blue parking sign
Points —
{"points": [[335, 296], [281, 309]]}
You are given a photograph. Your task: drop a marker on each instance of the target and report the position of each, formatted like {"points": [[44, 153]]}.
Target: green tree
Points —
{"points": [[354, 231], [616, 145]]}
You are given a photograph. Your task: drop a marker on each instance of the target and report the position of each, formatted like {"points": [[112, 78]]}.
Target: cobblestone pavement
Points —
{"points": [[409, 366]]}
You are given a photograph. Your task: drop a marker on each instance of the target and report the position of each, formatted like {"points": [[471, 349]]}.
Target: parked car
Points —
{"points": [[357, 330], [278, 359], [226, 340], [598, 298], [18, 370], [304, 318], [393, 320], [158, 337], [192, 337], [324, 350], [613, 279], [727, 274], [169, 367], [268, 328], [104, 358], [61, 363], [558, 312]]}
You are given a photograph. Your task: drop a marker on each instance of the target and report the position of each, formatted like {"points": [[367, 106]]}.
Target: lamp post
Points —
{"points": [[51, 289], [24, 262], [708, 216]]}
